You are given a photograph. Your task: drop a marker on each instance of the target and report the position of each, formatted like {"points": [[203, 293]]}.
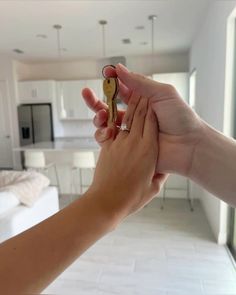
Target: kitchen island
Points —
{"points": [[63, 144], [61, 152]]}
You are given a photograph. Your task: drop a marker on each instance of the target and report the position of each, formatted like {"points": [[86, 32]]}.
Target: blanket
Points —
{"points": [[26, 185]]}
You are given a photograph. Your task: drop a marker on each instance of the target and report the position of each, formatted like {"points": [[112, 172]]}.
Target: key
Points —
{"points": [[110, 89]]}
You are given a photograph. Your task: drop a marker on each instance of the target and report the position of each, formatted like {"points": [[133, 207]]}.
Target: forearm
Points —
{"points": [[214, 164], [32, 260]]}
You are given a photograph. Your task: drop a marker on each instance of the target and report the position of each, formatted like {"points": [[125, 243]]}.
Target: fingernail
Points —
{"points": [[104, 133], [123, 68]]}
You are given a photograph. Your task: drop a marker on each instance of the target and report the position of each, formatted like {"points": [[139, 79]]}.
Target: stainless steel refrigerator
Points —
{"points": [[35, 123]]}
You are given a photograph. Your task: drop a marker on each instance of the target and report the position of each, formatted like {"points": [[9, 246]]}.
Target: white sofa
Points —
{"points": [[15, 217]]}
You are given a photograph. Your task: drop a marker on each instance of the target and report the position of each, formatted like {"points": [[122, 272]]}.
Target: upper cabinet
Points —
{"points": [[71, 103], [179, 80], [36, 91]]}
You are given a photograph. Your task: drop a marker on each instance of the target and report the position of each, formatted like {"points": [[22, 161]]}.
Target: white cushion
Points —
{"points": [[20, 218], [7, 201]]}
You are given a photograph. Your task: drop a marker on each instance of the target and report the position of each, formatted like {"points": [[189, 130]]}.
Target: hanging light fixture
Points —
{"points": [[152, 18], [58, 28], [103, 23], [59, 51]]}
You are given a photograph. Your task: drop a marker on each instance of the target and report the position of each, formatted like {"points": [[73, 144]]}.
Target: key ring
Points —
{"points": [[106, 67]]}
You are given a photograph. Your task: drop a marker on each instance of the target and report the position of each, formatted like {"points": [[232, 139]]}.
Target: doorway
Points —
{"points": [[6, 161]]}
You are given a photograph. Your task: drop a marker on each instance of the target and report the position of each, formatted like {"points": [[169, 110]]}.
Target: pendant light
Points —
{"points": [[152, 18], [59, 50], [103, 23]]}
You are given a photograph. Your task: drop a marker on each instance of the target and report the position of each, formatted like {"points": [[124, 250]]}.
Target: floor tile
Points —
{"points": [[153, 252]]}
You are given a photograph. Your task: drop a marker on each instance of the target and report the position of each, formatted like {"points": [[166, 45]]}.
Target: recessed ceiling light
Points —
{"points": [[126, 41], [139, 27], [144, 43], [43, 36], [18, 51]]}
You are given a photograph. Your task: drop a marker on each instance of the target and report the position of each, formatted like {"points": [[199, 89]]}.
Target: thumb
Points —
{"points": [[134, 81]]}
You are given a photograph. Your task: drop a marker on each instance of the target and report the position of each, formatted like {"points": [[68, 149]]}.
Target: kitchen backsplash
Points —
{"points": [[76, 129]]}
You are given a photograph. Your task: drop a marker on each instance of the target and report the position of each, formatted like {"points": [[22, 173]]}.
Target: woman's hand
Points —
{"points": [[125, 174], [180, 129]]}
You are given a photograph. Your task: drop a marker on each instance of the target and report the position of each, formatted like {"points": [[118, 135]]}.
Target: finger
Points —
{"points": [[109, 71], [100, 119], [103, 135], [120, 116], [145, 86], [129, 115], [139, 118], [124, 92], [150, 130], [92, 101]]}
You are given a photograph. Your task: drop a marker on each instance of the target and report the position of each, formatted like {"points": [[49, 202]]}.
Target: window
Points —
{"points": [[192, 88]]}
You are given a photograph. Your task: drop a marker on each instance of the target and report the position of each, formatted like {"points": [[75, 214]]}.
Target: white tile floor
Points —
{"points": [[169, 252]]}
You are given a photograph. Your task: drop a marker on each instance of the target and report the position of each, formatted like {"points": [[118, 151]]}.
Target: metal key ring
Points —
{"points": [[106, 67]]}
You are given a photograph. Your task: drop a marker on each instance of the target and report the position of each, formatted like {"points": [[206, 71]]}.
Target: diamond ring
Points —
{"points": [[124, 127]]}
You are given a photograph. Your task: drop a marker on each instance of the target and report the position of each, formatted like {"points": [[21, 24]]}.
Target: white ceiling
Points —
{"points": [[21, 21]]}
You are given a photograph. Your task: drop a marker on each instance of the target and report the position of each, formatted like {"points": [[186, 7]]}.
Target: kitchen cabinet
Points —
{"points": [[35, 91], [71, 103]]}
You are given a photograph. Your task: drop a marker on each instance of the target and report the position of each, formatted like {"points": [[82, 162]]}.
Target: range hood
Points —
{"points": [[114, 60], [118, 59]]}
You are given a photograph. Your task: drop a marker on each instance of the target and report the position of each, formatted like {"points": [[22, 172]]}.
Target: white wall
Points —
{"points": [[8, 74], [208, 56]]}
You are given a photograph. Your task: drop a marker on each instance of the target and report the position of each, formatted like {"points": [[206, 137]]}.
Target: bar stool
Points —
{"points": [[189, 199], [81, 160], [35, 160]]}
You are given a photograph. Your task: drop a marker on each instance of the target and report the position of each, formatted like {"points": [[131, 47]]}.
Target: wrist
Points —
{"points": [[202, 148], [104, 213], [178, 155]]}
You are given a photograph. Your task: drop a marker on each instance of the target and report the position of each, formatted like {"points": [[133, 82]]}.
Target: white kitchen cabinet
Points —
{"points": [[179, 80], [36, 91], [71, 102]]}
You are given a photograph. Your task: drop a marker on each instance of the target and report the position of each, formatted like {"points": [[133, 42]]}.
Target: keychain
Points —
{"points": [[110, 89]]}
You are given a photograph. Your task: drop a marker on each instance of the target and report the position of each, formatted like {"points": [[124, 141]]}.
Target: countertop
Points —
{"points": [[63, 144]]}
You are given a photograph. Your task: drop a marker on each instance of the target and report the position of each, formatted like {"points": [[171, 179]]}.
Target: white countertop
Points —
{"points": [[63, 144]]}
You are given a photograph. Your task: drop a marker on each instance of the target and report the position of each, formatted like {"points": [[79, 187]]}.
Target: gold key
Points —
{"points": [[110, 89]]}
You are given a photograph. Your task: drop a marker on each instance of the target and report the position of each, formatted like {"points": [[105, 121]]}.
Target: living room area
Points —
{"points": [[51, 150]]}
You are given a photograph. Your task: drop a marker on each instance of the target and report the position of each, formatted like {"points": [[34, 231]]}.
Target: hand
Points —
{"points": [[125, 173], [180, 129]]}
